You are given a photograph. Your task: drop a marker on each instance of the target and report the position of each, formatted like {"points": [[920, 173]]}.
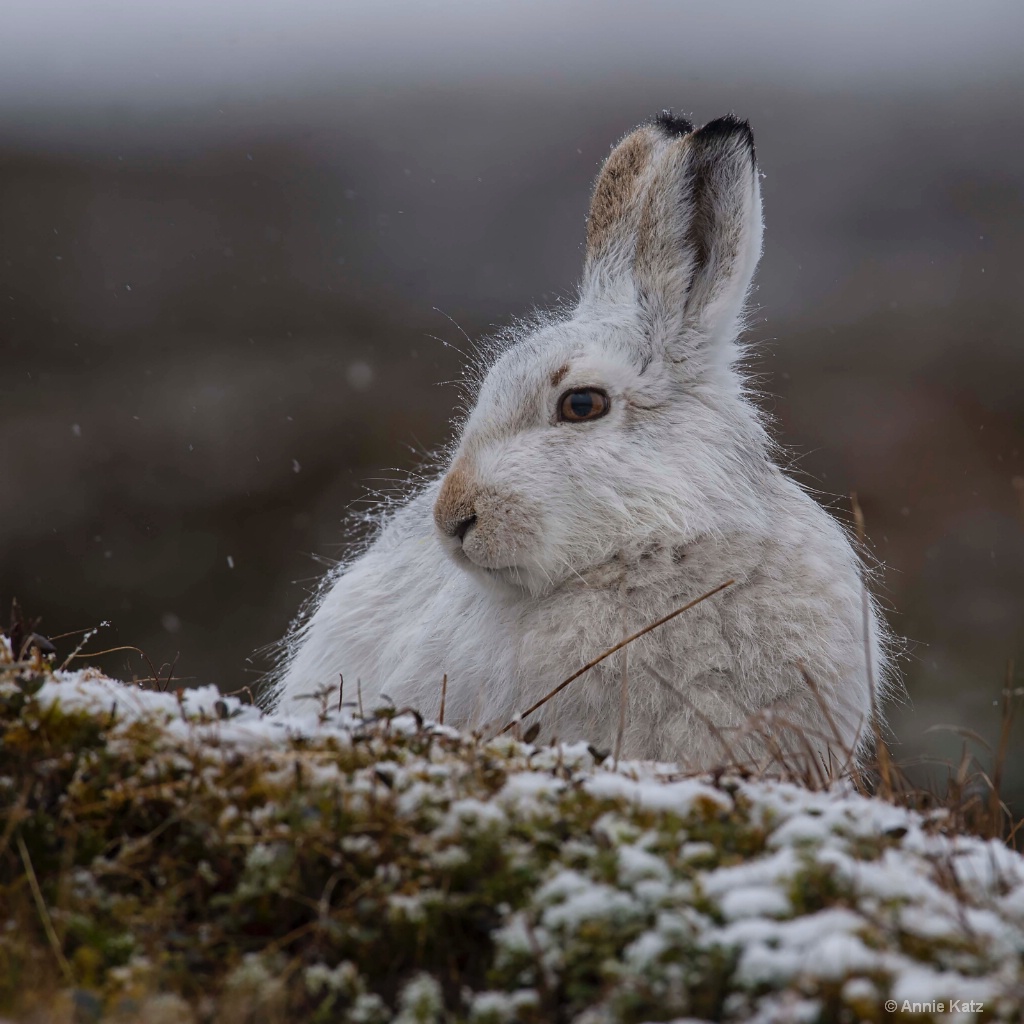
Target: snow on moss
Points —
{"points": [[183, 848]]}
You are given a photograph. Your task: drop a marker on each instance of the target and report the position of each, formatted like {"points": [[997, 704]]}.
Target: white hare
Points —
{"points": [[612, 470]]}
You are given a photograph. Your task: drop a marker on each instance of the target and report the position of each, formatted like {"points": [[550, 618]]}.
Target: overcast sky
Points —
{"points": [[65, 53]]}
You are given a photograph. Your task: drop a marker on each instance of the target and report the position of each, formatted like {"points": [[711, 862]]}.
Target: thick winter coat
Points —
{"points": [[612, 469]]}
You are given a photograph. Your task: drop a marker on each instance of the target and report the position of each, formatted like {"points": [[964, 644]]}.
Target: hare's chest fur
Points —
{"points": [[404, 616]]}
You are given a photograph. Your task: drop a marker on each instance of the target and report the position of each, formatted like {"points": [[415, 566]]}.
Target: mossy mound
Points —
{"points": [[179, 857]]}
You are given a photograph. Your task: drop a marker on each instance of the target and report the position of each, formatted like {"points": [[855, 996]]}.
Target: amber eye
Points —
{"points": [[582, 404]]}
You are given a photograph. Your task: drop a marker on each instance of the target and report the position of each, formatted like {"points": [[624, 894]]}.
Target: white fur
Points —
{"points": [[587, 532]]}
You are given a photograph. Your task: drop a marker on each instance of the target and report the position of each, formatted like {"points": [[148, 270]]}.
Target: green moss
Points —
{"points": [[374, 871]]}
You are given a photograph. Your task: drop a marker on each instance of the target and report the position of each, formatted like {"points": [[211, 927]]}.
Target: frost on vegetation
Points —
{"points": [[193, 860], [420, 1001]]}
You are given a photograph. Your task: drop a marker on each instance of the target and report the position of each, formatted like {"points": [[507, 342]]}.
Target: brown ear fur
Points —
{"points": [[614, 204], [618, 198]]}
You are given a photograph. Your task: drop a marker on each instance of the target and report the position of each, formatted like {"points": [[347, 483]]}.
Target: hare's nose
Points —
{"points": [[463, 527], [455, 509]]}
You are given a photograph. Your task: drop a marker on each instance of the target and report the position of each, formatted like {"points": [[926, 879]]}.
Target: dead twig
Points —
{"points": [[86, 637], [77, 653], [242, 689]]}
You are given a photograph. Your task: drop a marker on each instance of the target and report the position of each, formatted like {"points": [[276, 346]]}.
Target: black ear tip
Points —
{"points": [[672, 124], [727, 127]]}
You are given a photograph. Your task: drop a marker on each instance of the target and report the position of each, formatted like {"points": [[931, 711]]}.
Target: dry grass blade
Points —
{"points": [[1011, 839], [732, 761], [623, 697], [849, 767], [611, 650], [997, 807], [801, 760], [154, 676], [15, 814], [958, 730], [882, 754], [44, 914], [444, 696]]}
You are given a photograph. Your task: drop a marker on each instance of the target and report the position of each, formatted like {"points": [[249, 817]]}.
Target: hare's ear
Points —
{"points": [[698, 242], [616, 206]]}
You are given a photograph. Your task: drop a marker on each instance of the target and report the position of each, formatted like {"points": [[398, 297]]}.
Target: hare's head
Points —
{"points": [[624, 426]]}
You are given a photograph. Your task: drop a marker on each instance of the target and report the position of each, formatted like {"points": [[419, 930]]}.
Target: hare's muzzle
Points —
{"points": [[486, 525], [454, 511]]}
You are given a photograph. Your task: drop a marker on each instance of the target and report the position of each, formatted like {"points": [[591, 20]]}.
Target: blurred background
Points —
{"points": [[240, 244]]}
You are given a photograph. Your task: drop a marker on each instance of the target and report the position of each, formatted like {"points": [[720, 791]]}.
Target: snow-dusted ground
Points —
{"points": [[636, 894]]}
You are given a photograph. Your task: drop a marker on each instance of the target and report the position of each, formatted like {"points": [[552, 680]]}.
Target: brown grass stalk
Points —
{"points": [[44, 914], [882, 754], [611, 650], [996, 806]]}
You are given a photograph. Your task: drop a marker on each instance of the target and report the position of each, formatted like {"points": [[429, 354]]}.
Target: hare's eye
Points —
{"points": [[582, 404]]}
